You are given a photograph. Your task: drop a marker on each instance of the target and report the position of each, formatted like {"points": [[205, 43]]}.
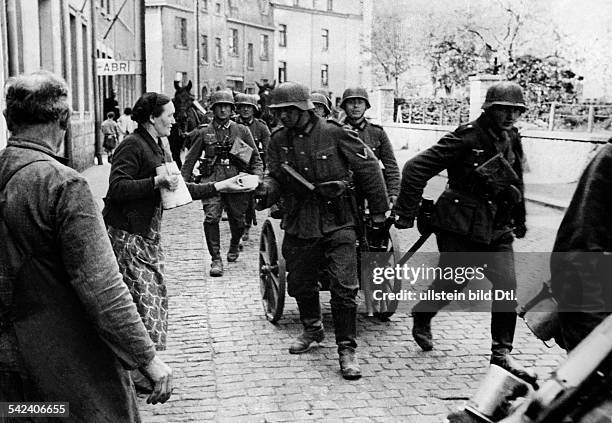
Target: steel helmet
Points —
{"points": [[246, 99], [318, 98], [355, 92], [221, 97], [291, 94], [505, 94]]}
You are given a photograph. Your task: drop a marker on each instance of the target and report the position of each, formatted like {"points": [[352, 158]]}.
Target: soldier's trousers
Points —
{"points": [[336, 254], [498, 257], [235, 205]]}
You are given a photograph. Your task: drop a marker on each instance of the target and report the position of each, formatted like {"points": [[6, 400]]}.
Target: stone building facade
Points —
{"points": [[214, 43], [319, 43]]}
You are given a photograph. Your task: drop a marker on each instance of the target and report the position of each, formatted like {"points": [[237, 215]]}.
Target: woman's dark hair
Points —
{"points": [[149, 104]]}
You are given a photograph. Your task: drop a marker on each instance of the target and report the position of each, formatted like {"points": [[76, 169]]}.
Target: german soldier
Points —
{"points": [[308, 163], [477, 213], [321, 105], [355, 102], [246, 106], [224, 149]]}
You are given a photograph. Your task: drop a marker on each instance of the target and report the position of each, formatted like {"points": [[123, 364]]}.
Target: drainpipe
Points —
{"points": [[96, 85], [143, 47]]}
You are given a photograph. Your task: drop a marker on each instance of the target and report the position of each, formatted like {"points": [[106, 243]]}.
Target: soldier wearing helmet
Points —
{"points": [[321, 104], [355, 102], [246, 106], [319, 224], [223, 149], [482, 210]]}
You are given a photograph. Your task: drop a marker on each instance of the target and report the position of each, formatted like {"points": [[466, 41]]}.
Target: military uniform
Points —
{"points": [[320, 232], [261, 136], [468, 218], [375, 137], [211, 145]]}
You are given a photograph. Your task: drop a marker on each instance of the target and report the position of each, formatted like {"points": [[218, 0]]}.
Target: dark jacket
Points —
{"points": [[206, 141], [75, 321], [322, 151], [581, 260], [132, 198], [375, 137], [466, 206], [260, 132]]}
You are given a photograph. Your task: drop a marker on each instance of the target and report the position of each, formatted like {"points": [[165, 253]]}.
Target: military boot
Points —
{"points": [[503, 325], [216, 268], [233, 253], [245, 235], [421, 331], [310, 315], [345, 326], [349, 365]]}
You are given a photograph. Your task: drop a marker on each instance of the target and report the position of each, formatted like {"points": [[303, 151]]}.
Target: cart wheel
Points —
{"points": [[272, 276], [386, 308]]}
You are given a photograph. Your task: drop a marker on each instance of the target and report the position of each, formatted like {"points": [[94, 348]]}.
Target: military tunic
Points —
{"points": [[375, 137], [261, 135], [205, 146], [467, 218], [320, 233]]}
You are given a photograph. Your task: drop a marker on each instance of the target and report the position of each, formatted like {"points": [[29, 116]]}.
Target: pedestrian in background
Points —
{"points": [[133, 212], [222, 150], [126, 124], [110, 134], [69, 327], [320, 226], [481, 211]]}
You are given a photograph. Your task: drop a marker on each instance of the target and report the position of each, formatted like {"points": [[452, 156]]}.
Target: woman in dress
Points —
{"points": [[133, 211]]}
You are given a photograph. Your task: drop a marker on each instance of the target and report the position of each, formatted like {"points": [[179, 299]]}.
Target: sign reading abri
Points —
{"points": [[115, 67]]}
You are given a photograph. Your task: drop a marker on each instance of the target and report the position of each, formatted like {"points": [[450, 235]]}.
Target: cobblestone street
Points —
{"points": [[230, 364]]}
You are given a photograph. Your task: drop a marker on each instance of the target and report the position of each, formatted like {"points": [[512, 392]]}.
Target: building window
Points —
{"points": [[325, 39], [233, 42], [218, 51], [204, 48], [324, 75], [105, 6], [296, 3], [204, 5], [181, 32], [250, 64], [282, 72], [84, 51], [330, 5], [264, 7], [218, 8], [282, 35], [263, 47]]}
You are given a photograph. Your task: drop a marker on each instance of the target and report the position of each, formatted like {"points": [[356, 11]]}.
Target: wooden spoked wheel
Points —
{"points": [[272, 275]]}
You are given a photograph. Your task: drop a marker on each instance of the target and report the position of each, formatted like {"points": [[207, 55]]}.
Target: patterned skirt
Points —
{"points": [[141, 262]]}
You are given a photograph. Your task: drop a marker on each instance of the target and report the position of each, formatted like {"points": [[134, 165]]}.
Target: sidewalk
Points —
{"points": [[231, 365]]}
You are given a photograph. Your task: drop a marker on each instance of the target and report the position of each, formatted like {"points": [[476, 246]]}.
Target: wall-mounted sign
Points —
{"points": [[116, 67]]}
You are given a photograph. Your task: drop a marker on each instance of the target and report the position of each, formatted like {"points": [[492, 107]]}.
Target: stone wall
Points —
{"points": [[82, 146], [551, 157]]}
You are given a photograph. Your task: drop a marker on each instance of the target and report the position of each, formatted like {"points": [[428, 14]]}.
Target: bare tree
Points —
{"points": [[389, 48]]}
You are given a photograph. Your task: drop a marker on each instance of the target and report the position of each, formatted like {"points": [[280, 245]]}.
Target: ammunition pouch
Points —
{"points": [[206, 167], [464, 214], [331, 189]]}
